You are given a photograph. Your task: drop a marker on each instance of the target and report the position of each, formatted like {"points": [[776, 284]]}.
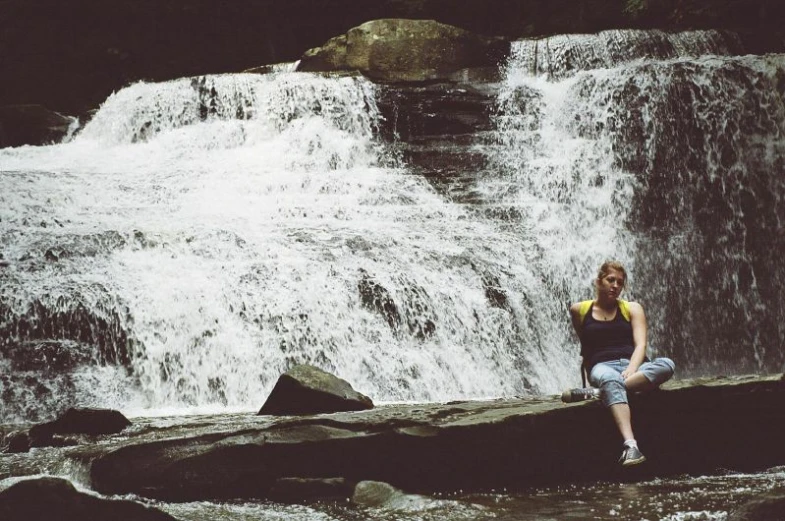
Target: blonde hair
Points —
{"points": [[607, 266]]}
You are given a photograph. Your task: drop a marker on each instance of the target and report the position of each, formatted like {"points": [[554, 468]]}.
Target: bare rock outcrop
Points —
{"points": [[399, 50]]}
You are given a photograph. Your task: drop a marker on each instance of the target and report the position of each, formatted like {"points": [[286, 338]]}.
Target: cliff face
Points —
{"points": [[68, 56]]}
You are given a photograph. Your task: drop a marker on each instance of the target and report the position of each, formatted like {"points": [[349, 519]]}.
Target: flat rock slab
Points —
{"points": [[687, 427]]}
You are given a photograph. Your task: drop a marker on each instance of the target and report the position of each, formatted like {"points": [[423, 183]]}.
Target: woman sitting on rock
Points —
{"points": [[613, 346]]}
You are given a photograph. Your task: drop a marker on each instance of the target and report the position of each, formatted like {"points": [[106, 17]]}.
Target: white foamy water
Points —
{"points": [[233, 241], [203, 235], [563, 55]]}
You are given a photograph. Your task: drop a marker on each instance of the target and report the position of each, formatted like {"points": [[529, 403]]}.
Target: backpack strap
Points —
{"points": [[624, 307], [583, 310]]}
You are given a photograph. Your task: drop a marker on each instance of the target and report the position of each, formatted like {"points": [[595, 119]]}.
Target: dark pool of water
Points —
{"points": [[684, 498]]}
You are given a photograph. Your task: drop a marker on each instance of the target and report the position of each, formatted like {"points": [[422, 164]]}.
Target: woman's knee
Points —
{"points": [[613, 392], [659, 370], [600, 377]]}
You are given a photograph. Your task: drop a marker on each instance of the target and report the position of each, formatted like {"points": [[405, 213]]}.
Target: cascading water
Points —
{"points": [[673, 164], [199, 236], [205, 234]]}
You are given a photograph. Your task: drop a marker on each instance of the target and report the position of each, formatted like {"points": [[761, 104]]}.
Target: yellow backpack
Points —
{"points": [[624, 307]]}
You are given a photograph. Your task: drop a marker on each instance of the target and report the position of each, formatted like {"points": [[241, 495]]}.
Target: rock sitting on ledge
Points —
{"points": [[92, 422], [399, 50], [305, 389], [85, 420]]}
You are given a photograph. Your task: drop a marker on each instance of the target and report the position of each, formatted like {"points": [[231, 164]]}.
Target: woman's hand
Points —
{"points": [[631, 370]]}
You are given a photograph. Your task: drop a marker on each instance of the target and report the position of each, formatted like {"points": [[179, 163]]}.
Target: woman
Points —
{"points": [[613, 345]]}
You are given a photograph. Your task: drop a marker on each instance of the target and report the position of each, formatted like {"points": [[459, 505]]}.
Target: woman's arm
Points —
{"points": [[575, 316], [639, 333]]}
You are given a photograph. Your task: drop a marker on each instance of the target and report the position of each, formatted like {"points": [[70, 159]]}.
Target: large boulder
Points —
{"points": [[400, 50], [305, 389], [31, 125], [769, 506], [55, 498]]}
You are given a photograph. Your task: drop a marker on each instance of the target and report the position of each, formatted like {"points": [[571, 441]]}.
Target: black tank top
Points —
{"points": [[604, 341]]}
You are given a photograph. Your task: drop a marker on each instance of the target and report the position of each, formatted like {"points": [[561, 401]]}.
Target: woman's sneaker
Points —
{"points": [[631, 456], [580, 394]]}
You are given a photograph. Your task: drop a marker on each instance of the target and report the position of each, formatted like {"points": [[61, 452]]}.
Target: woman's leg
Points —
{"points": [[651, 375], [613, 391], [607, 377], [623, 420]]}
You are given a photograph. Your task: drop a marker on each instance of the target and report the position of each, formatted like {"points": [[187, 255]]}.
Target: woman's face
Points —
{"points": [[611, 285]]}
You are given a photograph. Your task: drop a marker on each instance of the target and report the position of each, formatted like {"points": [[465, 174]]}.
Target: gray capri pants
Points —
{"points": [[607, 376]]}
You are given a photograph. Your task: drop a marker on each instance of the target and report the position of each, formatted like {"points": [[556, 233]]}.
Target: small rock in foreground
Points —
{"points": [[56, 498], [379, 493]]}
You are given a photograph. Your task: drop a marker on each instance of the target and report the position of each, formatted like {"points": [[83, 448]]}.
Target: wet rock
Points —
{"points": [[295, 490], [436, 111], [18, 441], [67, 320], [376, 297], [91, 422], [438, 129], [494, 292], [55, 498], [247, 464], [769, 506], [401, 50], [48, 356], [686, 427], [375, 494], [31, 125], [305, 389]]}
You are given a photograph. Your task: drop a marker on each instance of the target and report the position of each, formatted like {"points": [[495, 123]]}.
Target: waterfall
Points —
{"points": [[206, 234], [198, 237], [562, 55], [672, 164]]}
